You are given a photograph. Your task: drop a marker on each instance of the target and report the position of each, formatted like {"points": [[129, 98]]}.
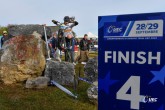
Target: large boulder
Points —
{"points": [[16, 30], [92, 92], [22, 57], [38, 83], [61, 72], [91, 69]]}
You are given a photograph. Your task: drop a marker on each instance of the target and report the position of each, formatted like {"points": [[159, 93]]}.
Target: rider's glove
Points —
{"points": [[76, 23], [55, 22]]}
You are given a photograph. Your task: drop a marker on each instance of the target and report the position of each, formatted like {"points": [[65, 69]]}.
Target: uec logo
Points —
{"points": [[114, 29], [149, 99]]}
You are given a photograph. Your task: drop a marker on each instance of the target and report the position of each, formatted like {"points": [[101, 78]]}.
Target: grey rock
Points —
{"points": [[91, 70], [16, 30], [39, 82], [61, 72], [92, 92], [1, 52]]}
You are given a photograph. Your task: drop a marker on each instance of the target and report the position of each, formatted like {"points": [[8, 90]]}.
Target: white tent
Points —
{"points": [[90, 35]]}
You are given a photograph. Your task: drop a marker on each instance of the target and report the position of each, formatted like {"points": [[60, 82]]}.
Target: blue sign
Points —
{"points": [[132, 62]]}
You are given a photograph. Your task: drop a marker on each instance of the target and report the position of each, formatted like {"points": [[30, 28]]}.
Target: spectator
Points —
{"points": [[60, 45], [77, 53], [4, 37], [54, 44], [84, 49], [0, 42], [69, 51]]}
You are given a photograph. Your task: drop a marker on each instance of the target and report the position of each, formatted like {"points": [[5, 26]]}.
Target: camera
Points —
{"points": [[69, 19], [72, 19]]}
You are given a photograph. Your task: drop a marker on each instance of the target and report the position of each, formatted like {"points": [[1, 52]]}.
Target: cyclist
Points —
{"points": [[66, 37]]}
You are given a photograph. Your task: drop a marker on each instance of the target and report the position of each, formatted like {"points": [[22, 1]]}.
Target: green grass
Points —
{"points": [[16, 97]]}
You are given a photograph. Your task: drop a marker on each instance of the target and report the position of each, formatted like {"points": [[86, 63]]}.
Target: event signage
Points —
{"points": [[132, 62]]}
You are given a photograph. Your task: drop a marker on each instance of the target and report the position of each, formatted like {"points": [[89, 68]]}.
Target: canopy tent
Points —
{"points": [[90, 35]]}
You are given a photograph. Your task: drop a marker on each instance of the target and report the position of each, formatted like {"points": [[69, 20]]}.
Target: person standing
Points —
{"points": [[77, 50], [54, 47], [84, 49], [69, 50], [54, 43], [4, 37], [0, 42]]}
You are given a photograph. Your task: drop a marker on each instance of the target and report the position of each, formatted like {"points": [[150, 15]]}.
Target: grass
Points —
{"points": [[16, 97]]}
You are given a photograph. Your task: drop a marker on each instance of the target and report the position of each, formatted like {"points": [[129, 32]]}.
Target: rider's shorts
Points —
{"points": [[67, 33]]}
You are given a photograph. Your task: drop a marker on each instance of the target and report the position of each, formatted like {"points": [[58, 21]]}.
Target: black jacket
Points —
{"points": [[54, 42], [2, 40], [84, 45], [70, 43]]}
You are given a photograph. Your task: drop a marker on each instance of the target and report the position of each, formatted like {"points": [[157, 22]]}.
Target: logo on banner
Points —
{"points": [[134, 30], [114, 29], [149, 99]]}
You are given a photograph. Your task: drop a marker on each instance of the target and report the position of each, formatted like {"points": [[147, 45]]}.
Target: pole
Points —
{"points": [[46, 40], [63, 89]]}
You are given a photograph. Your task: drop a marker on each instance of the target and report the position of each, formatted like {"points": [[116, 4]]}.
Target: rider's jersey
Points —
{"points": [[67, 29]]}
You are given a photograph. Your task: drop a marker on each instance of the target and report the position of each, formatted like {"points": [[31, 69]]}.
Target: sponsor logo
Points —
{"points": [[114, 29], [149, 99]]}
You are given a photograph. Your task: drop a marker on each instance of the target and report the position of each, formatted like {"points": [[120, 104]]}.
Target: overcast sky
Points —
{"points": [[86, 12]]}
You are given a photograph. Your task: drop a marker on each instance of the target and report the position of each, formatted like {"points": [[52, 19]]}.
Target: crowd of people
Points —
{"points": [[77, 50], [63, 41]]}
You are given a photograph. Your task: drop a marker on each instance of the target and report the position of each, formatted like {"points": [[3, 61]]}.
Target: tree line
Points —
{"points": [[2, 28]]}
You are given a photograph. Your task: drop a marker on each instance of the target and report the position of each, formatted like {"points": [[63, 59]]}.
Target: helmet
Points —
{"points": [[66, 19], [4, 32]]}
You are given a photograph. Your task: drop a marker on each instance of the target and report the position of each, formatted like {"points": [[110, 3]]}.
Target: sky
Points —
{"points": [[86, 12]]}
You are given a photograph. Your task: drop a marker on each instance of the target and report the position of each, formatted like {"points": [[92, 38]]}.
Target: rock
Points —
{"points": [[39, 82], [22, 57], [61, 72], [92, 92], [91, 70], [16, 30]]}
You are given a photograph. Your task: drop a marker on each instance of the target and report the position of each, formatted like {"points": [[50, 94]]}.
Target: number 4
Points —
{"points": [[135, 98]]}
